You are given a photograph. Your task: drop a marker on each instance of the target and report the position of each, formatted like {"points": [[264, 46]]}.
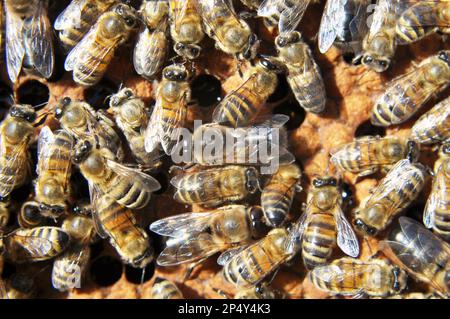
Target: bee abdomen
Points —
{"points": [[237, 109], [409, 27], [309, 90], [130, 193], [276, 203], [246, 269], [84, 73]]}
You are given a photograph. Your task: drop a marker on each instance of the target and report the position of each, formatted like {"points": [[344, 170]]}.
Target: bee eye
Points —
{"points": [[66, 101], [30, 117], [368, 59], [195, 51], [129, 21], [128, 93], [317, 182], [179, 46], [58, 113]]}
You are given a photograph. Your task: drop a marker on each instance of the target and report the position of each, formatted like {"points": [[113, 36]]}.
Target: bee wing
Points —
{"points": [[346, 237], [71, 15], [437, 196], [47, 151], [333, 13], [178, 10], [291, 16], [147, 47], [183, 224], [268, 8], [15, 49], [328, 273], [149, 183], [426, 10], [45, 140], [11, 166], [189, 249], [94, 194], [385, 11], [226, 256], [296, 233]]}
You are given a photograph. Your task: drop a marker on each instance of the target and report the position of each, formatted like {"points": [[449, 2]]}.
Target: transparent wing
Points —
{"points": [[45, 140], [183, 224], [334, 13], [346, 237], [269, 7], [71, 15], [438, 195], [227, 255], [178, 10], [292, 15], [294, 241], [147, 52], [328, 273], [15, 46], [49, 151], [425, 14], [149, 183], [94, 194], [9, 170], [386, 13]]}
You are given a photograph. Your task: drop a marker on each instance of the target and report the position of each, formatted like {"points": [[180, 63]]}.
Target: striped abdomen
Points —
{"points": [[417, 22], [441, 187], [276, 200], [69, 267], [59, 158], [165, 289], [12, 176], [318, 240], [170, 112], [433, 126]]}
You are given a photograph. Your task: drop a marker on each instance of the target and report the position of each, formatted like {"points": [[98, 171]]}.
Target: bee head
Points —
{"points": [[123, 95], [377, 64], [81, 151], [251, 47], [363, 227], [271, 64], [127, 13], [31, 213], [60, 107], [324, 181], [23, 111], [444, 56], [258, 222], [285, 39], [189, 51], [252, 180], [176, 73]]}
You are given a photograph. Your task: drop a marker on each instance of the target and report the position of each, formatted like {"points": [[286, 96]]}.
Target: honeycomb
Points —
{"points": [[351, 91]]}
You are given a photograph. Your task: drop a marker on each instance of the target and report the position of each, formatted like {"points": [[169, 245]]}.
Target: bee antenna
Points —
{"points": [[39, 105]]}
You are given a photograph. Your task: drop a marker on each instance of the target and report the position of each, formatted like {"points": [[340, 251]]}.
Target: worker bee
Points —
{"points": [[54, 168], [352, 277], [197, 236], [433, 126], [151, 48], [16, 134], [29, 42], [165, 289], [232, 34], [437, 210], [77, 18], [30, 215], [35, 244], [215, 186], [421, 253], [69, 267], [250, 266], [368, 154], [320, 224], [407, 93], [344, 24], [241, 106], [304, 76], [126, 185], [186, 28], [397, 190], [287, 14], [131, 116], [169, 113], [278, 193], [81, 121], [263, 144], [19, 286], [90, 58], [422, 19]]}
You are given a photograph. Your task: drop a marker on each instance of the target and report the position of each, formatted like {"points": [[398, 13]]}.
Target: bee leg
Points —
{"points": [[221, 293], [360, 295], [191, 267]]}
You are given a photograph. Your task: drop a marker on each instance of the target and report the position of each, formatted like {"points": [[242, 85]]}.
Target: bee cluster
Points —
{"points": [[101, 170]]}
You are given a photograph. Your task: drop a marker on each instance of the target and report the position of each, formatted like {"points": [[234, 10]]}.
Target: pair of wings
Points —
{"points": [[32, 36], [425, 13], [346, 237], [435, 118], [438, 197], [290, 12], [386, 14]]}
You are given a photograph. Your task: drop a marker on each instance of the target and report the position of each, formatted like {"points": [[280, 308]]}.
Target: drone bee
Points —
{"points": [[437, 210], [128, 186], [232, 34], [165, 289], [433, 126], [30, 215], [186, 28], [422, 19], [196, 236], [242, 105], [320, 224], [90, 58], [214, 186], [304, 76], [368, 154], [353, 277], [406, 94], [29, 42], [397, 190], [151, 48], [54, 169], [421, 253], [287, 14], [77, 18], [278, 193], [169, 113]]}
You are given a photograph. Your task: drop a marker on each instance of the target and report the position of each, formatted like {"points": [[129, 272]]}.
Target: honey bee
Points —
{"points": [[304, 76], [407, 93], [344, 24], [169, 113], [421, 253], [278, 193], [30, 215], [165, 289], [186, 28], [397, 190], [131, 116], [151, 48], [437, 210], [90, 58], [368, 154], [232, 34], [16, 134], [19, 286], [81, 121], [353, 277], [287, 14], [77, 18], [69, 267], [320, 224], [433, 126], [29, 42], [35, 244], [241, 106], [215, 186], [54, 168], [252, 265], [128, 186], [197, 236], [422, 19]]}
